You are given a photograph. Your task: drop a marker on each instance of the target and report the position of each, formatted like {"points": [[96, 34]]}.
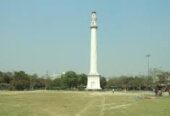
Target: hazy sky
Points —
{"points": [[54, 35]]}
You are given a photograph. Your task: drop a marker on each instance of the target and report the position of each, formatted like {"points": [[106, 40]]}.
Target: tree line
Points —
{"points": [[20, 80]]}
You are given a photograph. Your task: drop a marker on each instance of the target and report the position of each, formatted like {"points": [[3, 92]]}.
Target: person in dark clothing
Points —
{"points": [[169, 90]]}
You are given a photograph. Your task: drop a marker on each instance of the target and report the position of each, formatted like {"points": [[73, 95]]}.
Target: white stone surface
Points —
{"points": [[93, 82], [93, 59]]}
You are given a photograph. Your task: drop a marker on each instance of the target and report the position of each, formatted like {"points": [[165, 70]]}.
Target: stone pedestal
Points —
{"points": [[93, 82]]}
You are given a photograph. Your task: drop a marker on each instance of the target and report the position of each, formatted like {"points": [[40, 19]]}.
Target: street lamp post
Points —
{"points": [[148, 80], [148, 56]]}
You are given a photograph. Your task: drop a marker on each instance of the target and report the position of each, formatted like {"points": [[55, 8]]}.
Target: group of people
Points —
{"points": [[169, 90], [159, 88]]}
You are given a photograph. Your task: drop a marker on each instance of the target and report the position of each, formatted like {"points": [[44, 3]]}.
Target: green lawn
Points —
{"points": [[67, 103]]}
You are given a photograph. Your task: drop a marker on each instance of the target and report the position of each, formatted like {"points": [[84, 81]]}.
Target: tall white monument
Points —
{"points": [[93, 80]]}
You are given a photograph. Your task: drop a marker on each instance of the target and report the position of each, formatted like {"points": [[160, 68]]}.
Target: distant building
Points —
{"points": [[56, 75]]}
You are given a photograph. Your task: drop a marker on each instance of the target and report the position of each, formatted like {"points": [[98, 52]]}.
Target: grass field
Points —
{"points": [[67, 103]]}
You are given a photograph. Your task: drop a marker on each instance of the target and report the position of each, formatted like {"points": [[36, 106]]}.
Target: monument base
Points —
{"points": [[93, 82]]}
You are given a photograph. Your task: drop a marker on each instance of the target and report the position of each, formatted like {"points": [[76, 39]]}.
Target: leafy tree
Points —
{"points": [[40, 83], [163, 77], [8, 77], [56, 84], [82, 79], [21, 81], [1, 77], [48, 82], [33, 79], [103, 82], [4, 86], [70, 80], [130, 83]]}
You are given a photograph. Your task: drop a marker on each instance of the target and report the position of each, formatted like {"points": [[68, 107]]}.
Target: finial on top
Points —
{"points": [[93, 20]]}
